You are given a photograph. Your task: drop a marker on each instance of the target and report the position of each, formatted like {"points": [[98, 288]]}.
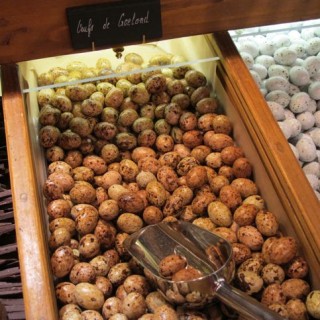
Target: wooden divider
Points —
{"points": [[31, 237]]}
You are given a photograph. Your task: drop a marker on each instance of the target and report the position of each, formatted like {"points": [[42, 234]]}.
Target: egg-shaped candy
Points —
{"points": [[294, 35], [285, 128], [285, 56], [313, 46], [295, 126], [277, 83], [277, 70], [256, 77], [293, 89], [307, 34], [313, 180], [314, 133], [317, 118], [260, 69], [312, 64], [306, 119], [288, 114], [294, 150], [265, 60], [247, 58], [306, 149], [314, 90], [281, 40], [277, 110], [299, 48], [299, 76], [279, 96], [312, 168], [249, 46], [299, 102], [267, 47]]}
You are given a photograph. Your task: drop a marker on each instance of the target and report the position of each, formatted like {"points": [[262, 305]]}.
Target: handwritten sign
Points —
{"points": [[114, 23]]}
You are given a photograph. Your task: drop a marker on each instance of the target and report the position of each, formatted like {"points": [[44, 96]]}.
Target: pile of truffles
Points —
{"points": [[286, 67], [135, 150]]}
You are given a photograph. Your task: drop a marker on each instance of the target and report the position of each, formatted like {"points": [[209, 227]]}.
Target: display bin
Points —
{"points": [[303, 32], [277, 174]]}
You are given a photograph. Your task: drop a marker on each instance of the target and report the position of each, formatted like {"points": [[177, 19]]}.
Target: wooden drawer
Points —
{"points": [[279, 178]]}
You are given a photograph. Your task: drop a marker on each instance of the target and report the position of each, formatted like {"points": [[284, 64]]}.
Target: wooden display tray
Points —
{"points": [[280, 180], [37, 29]]}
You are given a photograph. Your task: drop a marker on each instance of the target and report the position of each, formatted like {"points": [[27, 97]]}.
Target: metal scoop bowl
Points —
{"points": [[204, 251]]}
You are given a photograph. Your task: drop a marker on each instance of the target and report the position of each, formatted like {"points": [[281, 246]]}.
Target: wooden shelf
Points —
{"points": [[37, 29]]}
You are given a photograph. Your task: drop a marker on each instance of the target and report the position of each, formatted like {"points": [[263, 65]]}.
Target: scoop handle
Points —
{"points": [[244, 304]]}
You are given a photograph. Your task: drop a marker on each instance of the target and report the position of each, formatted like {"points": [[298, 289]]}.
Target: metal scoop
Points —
{"points": [[204, 251]]}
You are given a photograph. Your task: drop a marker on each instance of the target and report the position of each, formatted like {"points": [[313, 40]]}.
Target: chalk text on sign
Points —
{"points": [[106, 25], [88, 28], [125, 21]]}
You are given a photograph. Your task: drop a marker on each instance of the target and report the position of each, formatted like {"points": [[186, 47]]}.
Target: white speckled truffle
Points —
{"points": [[285, 128], [277, 83], [317, 118], [293, 89], [299, 48], [261, 70], [295, 126], [248, 59], [289, 114], [298, 62], [312, 106], [299, 76], [313, 180], [294, 150], [277, 70], [299, 102], [279, 96], [267, 47], [281, 40], [265, 60], [249, 46], [312, 168], [263, 91], [277, 110], [316, 76], [314, 133], [285, 56], [314, 90], [312, 64], [256, 77], [306, 149], [307, 34], [294, 35], [313, 46], [306, 119]]}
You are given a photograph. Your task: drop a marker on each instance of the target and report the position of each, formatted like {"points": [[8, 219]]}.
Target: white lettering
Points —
{"points": [[106, 25], [134, 20], [85, 29]]}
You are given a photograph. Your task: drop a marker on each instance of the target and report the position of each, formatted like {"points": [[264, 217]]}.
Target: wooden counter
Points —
{"points": [[36, 29]]}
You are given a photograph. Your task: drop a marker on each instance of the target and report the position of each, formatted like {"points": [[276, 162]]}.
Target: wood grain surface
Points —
{"points": [[30, 231], [36, 29]]}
